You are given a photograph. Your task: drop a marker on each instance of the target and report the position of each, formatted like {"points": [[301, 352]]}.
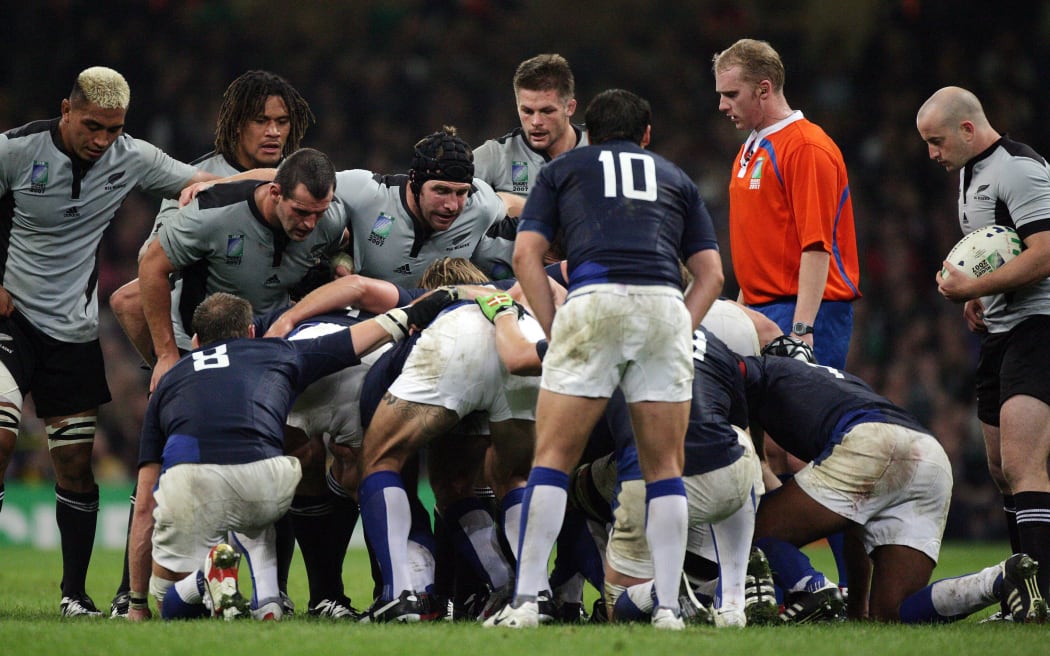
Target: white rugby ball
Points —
{"points": [[984, 250]]}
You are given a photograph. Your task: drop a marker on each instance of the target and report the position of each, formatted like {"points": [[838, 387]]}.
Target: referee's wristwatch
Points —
{"points": [[801, 328]]}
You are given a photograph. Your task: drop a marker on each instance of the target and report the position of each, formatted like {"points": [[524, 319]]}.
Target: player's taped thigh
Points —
{"points": [[10, 402], [71, 430], [612, 593], [158, 587]]}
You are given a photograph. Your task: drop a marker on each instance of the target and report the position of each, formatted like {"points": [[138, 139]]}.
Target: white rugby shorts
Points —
{"points": [[894, 481], [331, 407], [455, 365], [636, 337], [712, 497], [197, 504]]}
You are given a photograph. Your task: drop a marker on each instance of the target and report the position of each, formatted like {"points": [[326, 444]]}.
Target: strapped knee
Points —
{"points": [[71, 430], [159, 587]]}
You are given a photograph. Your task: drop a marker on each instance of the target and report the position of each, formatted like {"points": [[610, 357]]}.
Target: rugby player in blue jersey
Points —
{"points": [[872, 470], [628, 218], [212, 455]]}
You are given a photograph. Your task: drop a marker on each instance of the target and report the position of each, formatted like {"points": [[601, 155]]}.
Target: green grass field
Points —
{"points": [[29, 624]]}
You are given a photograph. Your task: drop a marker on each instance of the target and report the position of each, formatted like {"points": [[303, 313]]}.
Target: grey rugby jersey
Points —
{"points": [[213, 162], [221, 243], [509, 163], [61, 208], [389, 243], [1008, 184]]}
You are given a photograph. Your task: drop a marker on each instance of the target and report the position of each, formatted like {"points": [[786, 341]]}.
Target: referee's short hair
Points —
{"points": [[101, 86]]}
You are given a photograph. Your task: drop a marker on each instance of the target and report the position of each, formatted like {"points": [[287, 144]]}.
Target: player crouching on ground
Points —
{"points": [[876, 473], [212, 449]]}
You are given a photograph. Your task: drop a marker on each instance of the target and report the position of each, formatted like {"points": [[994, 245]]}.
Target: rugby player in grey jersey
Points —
{"points": [[66, 177], [545, 98], [402, 223], [1003, 182], [544, 92], [256, 239], [262, 120]]}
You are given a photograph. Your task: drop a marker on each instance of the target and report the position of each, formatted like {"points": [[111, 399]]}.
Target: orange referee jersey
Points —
{"points": [[789, 192]]}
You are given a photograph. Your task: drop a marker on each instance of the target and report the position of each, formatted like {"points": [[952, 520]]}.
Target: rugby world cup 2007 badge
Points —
{"points": [[381, 229], [234, 249], [519, 175], [38, 177]]}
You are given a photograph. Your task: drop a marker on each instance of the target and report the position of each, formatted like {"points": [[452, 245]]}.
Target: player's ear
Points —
{"points": [[647, 137], [570, 107], [251, 331], [195, 342]]}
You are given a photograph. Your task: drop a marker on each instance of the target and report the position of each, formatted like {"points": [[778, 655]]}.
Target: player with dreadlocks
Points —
{"points": [[262, 119]]}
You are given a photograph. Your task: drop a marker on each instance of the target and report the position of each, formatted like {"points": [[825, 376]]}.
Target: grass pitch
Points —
{"points": [[30, 624]]}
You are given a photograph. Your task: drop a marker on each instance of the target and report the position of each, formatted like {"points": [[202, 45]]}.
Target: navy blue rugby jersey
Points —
{"points": [[718, 401], [628, 215], [227, 403], [806, 408]]}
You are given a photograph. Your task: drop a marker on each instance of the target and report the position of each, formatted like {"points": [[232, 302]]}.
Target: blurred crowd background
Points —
{"points": [[381, 74]]}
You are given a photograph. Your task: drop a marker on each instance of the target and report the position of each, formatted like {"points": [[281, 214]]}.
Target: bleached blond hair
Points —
{"points": [[101, 86]]}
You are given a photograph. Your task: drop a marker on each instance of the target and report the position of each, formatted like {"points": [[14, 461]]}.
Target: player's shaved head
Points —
{"points": [[954, 127], [952, 106], [101, 86]]}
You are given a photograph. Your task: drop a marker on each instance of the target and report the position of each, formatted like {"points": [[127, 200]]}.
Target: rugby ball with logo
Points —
{"points": [[984, 250]]}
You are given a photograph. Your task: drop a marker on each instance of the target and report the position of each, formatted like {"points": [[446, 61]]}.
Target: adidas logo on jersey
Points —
{"points": [[403, 270], [71, 213], [272, 281]]}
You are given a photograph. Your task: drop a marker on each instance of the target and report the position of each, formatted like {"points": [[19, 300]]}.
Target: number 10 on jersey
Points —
{"points": [[626, 185]]}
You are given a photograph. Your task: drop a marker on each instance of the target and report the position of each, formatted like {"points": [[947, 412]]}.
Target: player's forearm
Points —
{"points": [[140, 542], [368, 336], [1030, 266], [534, 285], [518, 354], [708, 279], [529, 248], [349, 291]]}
